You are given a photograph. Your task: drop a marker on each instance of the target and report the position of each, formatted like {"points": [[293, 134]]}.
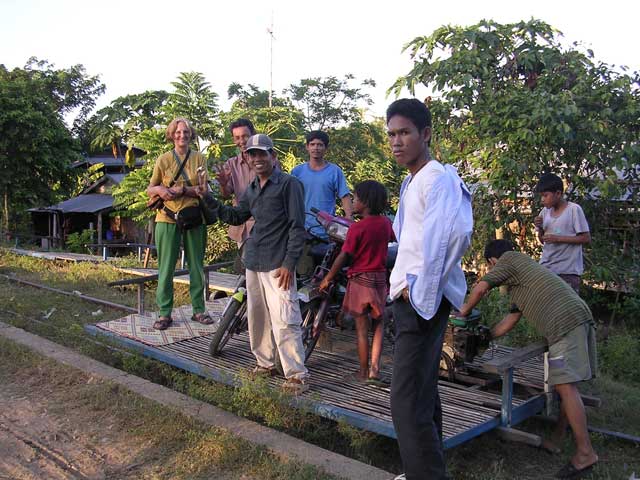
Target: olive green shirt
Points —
{"points": [[544, 299], [164, 171]]}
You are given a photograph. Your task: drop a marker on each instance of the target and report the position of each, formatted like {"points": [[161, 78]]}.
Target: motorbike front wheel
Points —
{"points": [[230, 324]]}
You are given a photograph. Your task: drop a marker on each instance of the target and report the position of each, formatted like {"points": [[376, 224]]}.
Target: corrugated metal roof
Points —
{"points": [[107, 161], [116, 177], [90, 203]]}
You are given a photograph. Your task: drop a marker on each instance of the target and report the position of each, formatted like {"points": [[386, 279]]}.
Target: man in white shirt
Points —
{"points": [[433, 226]]}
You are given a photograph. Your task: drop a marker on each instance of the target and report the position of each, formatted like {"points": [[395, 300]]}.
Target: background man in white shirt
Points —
{"points": [[433, 226]]}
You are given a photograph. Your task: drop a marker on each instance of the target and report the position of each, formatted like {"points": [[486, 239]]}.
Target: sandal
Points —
{"points": [[202, 318], [163, 323], [259, 371], [569, 471], [376, 382]]}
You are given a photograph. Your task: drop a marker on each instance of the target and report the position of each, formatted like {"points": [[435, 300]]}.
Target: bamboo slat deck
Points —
{"points": [[467, 412], [69, 257], [223, 282]]}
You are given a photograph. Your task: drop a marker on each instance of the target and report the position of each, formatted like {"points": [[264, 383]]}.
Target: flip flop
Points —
{"points": [[376, 382], [162, 323], [202, 318], [569, 471]]}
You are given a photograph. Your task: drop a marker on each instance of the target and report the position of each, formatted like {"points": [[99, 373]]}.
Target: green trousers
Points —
{"points": [[168, 246]]}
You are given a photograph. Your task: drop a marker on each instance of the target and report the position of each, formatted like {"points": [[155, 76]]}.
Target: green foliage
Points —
{"points": [[194, 100], [329, 102], [130, 197], [513, 103], [87, 178], [219, 246], [362, 151], [282, 121], [620, 356], [76, 241], [35, 143]]}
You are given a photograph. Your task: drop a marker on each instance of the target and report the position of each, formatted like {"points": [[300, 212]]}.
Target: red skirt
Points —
{"points": [[366, 293]]}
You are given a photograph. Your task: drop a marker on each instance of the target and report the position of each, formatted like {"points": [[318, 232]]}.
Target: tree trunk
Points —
{"points": [[5, 211]]}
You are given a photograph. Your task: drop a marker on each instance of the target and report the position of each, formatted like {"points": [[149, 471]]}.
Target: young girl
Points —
{"points": [[366, 249]]}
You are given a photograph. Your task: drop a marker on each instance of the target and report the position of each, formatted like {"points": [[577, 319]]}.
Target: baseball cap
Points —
{"points": [[259, 141]]}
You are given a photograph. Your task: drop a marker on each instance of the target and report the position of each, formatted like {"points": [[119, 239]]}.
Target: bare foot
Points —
{"points": [[582, 461]]}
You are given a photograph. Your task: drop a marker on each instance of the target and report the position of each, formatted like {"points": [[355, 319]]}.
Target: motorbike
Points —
{"points": [[318, 307]]}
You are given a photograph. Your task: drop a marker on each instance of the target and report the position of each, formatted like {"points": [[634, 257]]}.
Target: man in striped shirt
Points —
{"points": [[563, 319]]}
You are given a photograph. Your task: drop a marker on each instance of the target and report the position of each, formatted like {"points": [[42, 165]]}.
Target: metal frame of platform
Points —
{"points": [[467, 412]]}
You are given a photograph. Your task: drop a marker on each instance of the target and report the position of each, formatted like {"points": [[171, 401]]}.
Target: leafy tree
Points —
{"points": [[362, 151], [36, 147], [513, 102], [251, 97], [70, 89], [282, 122], [123, 121], [329, 102], [194, 100]]}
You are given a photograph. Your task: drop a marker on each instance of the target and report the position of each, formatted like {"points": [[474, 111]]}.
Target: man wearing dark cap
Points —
{"points": [[276, 202]]}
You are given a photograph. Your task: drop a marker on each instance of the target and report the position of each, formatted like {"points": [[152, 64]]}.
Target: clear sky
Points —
{"points": [[138, 45]]}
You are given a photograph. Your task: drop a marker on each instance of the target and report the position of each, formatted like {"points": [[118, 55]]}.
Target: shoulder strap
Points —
{"points": [[180, 167]]}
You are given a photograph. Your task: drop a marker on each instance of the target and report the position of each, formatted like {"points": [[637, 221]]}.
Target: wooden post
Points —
{"points": [[147, 251], [141, 298], [99, 228]]}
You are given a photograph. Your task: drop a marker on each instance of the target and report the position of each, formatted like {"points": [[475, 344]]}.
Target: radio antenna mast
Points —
{"points": [[271, 37]]}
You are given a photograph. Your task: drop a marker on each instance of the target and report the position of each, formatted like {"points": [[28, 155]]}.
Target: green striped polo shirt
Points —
{"points": [[544, 299]]}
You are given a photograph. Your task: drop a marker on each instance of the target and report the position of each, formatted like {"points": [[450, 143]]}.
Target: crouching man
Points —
{"points": [[276, 202], [564, 320]]}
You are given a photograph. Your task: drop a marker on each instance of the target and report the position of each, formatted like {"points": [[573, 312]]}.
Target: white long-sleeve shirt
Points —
{"points": [[433, 226]]}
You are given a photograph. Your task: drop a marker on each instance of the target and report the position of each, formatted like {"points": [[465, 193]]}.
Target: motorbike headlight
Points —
{"points": [[338, 231]]}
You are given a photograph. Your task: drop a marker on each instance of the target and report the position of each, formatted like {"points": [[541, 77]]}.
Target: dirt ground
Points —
{"points": [[59, 423], [37, 442]]}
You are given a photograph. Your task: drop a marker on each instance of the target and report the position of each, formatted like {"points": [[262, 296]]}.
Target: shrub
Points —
{"points": [[620, 356], [76, 241]]}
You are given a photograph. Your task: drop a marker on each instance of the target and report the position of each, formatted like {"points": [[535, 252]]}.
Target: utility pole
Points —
{"points": [[270, 32]]}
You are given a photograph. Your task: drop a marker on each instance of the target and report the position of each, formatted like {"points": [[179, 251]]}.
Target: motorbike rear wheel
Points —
{"points": [[310, 335]]}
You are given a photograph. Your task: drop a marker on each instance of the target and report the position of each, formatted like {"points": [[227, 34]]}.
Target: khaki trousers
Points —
{"points": [[274, 323]]}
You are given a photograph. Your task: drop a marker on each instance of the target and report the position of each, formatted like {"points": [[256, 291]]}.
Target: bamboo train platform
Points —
{"points": [[468, 411], [218, 281], [52, 255]]}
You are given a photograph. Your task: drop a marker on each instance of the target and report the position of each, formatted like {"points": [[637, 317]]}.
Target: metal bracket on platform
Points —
{"points": [[504, 366]]}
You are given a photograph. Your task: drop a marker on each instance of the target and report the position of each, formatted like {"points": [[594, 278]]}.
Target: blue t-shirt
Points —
{"points": [[321, 189]]}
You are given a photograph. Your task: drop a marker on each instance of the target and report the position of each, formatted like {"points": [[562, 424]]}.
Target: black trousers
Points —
{"points": [[415, 402]]}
